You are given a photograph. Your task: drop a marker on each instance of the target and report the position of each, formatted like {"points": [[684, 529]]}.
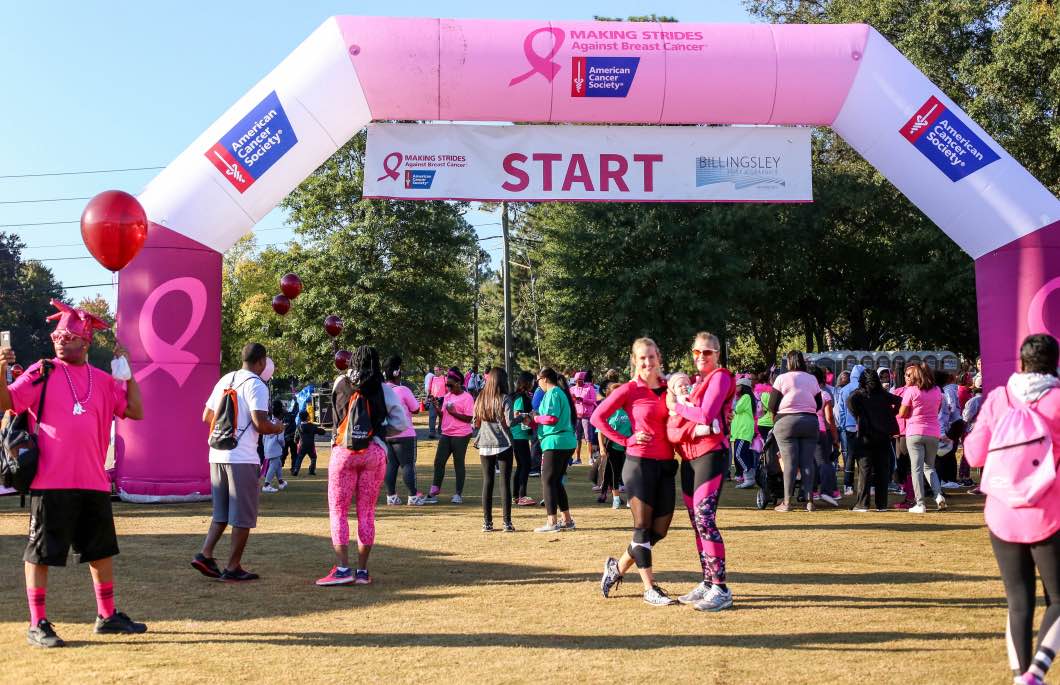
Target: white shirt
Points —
{"points": [[427, 382], [252, 395]]}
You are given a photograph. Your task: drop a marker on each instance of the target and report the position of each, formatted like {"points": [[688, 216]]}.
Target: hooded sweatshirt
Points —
{"points": [[847, 420], [1019, 524]]}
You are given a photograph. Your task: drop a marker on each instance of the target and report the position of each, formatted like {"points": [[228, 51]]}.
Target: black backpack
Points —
{"points": [[357, 428], [19, 453], [224, 431]]}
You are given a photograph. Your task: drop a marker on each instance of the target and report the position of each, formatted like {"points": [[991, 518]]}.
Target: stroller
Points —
{"points": [[768, 476]]}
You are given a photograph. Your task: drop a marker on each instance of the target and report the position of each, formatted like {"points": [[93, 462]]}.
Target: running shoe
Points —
{"points": [[237, 576], [487, 526], [859, 510], [747, 483], [1029, 678], [361, 577], [893, 488], [917, 509], [269, 488], [549, 528], [417, 500], [698, 592], [657, 597], [336, 577], [782, 507], [576, 462], [966, 482], [597, 488], [611, 578], [525, 501], [206, 566], [830, 500], [457, 499], [508, 527], [950, 485], [848, 491], [616, 502], [534, 474], [940, 501], [118, 624], [392, 500], [716, 600], [837, 495], [43, 635], [430, 499], [569, 525], [283, 485]]}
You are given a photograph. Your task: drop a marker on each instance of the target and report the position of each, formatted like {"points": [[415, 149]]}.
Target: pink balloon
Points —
{"points": [[343, 359], [333, 325], [291, 285], [281, 304]]}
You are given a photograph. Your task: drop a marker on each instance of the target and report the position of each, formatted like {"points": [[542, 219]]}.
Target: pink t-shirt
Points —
{"points": [[408, 401], [587, 393], [925, 417], [900, 391], [826, 397], [463, 403], [73, 449], [797, 389]]}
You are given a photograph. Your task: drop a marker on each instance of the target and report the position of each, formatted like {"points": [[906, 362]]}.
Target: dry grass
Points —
{"points": [[832, 597]]}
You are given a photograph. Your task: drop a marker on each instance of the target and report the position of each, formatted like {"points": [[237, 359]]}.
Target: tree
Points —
{"points": [[26, 288], [102, 351]]}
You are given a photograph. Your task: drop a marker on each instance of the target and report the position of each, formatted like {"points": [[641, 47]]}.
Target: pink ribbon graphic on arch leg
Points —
{"points": [[541, 64], [178, 361], [391, 171], [1036, 309]]}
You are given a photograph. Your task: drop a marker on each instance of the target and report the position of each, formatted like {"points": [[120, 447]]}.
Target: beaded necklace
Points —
{"points": [[79, 405]]}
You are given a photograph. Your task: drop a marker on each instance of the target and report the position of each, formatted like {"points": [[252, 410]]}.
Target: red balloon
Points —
{"points": [[281, 304], [333, 325], [291, 285], [343, 359], [114, 228]]}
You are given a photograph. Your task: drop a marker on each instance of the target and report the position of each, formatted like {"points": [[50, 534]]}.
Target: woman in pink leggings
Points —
{"points": [[364, 409]]}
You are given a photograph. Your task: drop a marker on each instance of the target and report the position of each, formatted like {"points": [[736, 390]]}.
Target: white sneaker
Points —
{"points": [[698, 592], [848, 491], [417, 500], [941, 502], [283, 485], [950, 485], [554, 528], [393, 499], [715, 600], [747, 483], [269, 488], [917, 509], [457, 499], [831, 500]]}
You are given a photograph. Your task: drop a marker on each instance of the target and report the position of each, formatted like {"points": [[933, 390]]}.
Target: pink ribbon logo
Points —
{"points": [[178, 362], [391, 170], [540, 64], [1036, 309]]}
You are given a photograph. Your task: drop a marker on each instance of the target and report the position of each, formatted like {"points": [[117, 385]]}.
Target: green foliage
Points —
{"points": [[26, 287]]}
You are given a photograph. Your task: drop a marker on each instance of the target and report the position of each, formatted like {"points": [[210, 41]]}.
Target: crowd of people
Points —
{"points": [[644, 438]]}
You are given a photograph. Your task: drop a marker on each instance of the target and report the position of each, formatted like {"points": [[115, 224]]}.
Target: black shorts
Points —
{"points": [[652, 482], [59, 518]]}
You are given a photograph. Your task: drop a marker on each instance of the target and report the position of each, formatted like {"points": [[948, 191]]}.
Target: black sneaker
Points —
{"points": [[206, 566], [612, 578], [119, 623], [43, 635], [238, 575], [508, 527], [487, 527]]}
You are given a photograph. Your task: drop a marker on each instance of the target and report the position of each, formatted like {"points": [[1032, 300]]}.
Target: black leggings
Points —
{"points": [[522, 467], [874, 471], [553, 468], [489, 468], [400, 453], [612, 469], [1017, 563], [652, 495], [456, 446]]}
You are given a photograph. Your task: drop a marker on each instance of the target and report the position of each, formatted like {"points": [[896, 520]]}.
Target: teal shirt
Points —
{"points": [[560, 435], [619, 421], [519, 430]]}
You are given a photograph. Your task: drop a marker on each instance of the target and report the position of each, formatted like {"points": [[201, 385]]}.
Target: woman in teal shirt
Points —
{"points": [[555, 418], [520, 422], [614, 454]]}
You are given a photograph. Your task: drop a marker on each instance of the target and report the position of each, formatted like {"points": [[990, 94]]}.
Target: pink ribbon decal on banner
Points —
{"points": [[540, 64], [391, 172], [1036, 310], [179, 362]]}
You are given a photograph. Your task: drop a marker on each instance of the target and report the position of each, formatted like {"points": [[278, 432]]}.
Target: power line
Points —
{"points": [[51, 199], [42, 247], [40, 223], [80, 173]]}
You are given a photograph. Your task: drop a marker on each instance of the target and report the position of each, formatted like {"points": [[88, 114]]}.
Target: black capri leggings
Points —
{"points": [[1017, 562], [652, 482], [400, 454], [616, 459], [456, 446], [522, 467], [489, 471], [553, 468]]}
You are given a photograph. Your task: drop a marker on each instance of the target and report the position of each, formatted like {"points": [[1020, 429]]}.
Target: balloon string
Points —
{"points": [[114, 290]]}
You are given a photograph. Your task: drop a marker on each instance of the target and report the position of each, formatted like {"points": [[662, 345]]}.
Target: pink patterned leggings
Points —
{"points": [[354, 474]]}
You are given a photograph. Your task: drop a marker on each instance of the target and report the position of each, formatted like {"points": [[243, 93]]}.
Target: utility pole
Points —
{"points": [[507, 294], [533, 302], [474, 318]]}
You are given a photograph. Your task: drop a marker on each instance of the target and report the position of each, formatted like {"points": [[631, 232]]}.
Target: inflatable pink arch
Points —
{"points": [[353, 70]]}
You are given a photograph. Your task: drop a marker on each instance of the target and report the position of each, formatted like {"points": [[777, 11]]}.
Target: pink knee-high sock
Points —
{"points": [[104, 599], [36, 596]]}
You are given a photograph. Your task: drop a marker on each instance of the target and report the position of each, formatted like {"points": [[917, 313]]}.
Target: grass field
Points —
{"points": [[829, 597]]}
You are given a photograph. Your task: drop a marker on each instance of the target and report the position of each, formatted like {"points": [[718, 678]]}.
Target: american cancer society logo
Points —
{"points": [[419, 179], [254, 144], [946, 141], [602, 77], [743, 171]]}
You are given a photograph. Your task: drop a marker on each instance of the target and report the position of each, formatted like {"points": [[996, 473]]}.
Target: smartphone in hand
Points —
{"points": [[5, 343]]}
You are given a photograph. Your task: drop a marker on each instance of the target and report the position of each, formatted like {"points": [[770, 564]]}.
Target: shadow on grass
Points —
{"points": [[848, 641]]}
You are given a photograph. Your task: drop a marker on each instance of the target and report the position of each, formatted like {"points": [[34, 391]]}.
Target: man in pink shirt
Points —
{"points": [[70, 495]]}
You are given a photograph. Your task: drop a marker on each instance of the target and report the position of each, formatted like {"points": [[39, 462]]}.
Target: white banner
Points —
{"points": [[588, 163]]}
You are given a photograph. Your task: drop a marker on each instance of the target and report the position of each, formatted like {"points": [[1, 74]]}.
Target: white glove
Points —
{"points": [[119, 368], [701, 430]]}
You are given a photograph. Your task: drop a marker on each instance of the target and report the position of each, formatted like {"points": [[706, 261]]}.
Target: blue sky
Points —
{"points": [[121, 85]]}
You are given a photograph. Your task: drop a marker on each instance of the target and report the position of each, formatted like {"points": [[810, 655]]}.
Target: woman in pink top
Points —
{"points": [[1025, 538], [920, 409], [795, 404], [401, 448], [649, 469], [584, 395], [458, 410]]}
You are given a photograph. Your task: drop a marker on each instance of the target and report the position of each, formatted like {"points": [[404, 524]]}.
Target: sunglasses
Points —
{"points": [[696, 354], [64, 337]]}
